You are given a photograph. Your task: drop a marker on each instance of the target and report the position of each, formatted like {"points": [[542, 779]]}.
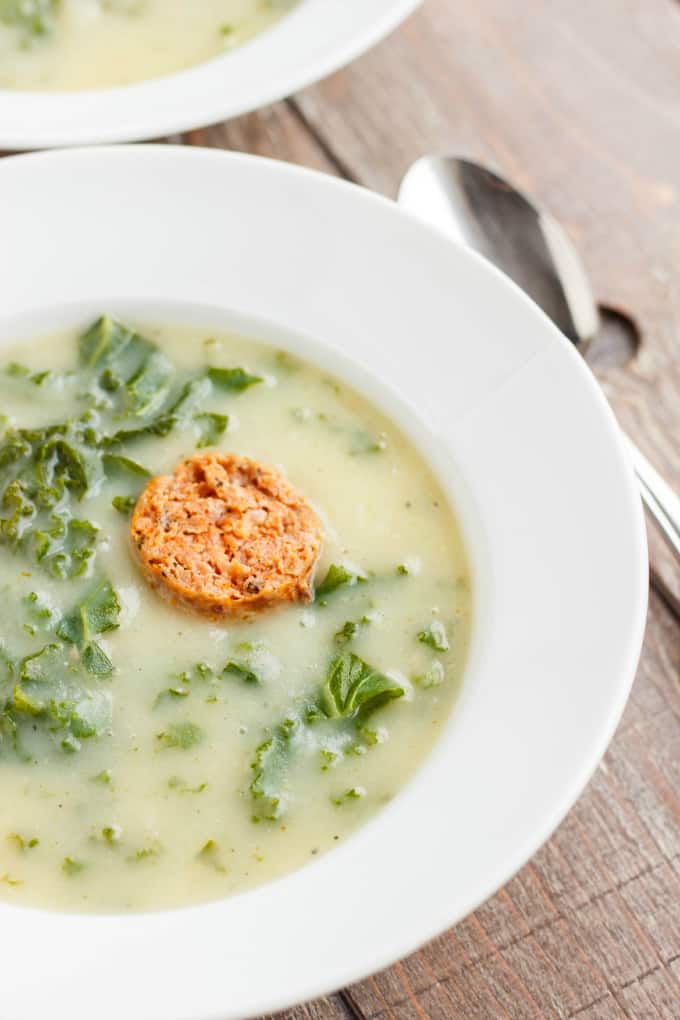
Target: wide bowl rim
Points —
{"points": [[340, 195]]}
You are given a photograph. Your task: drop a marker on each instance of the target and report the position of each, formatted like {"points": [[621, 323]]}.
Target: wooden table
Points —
{"points": [[579, 102]]}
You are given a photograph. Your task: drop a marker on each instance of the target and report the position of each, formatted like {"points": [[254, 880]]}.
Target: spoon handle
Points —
{"points": [[660, 500]]}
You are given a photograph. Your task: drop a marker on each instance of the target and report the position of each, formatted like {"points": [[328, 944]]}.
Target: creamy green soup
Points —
{"points": [[91, 44], [150, 756]]}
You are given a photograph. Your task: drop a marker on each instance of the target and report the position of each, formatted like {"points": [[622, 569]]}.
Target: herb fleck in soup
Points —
{"points": [[154, 754]]}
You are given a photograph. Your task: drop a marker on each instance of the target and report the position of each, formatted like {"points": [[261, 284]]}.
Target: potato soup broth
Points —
{"points": [[92, 44], [159, 809]]}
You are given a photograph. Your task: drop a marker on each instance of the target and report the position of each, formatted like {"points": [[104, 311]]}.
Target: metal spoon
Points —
{"points": [[487, 213]]}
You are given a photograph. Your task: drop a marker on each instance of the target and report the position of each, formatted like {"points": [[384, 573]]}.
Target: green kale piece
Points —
{"points": [[435, 636], [96, 614], [235, 379], [21, 843], [270, 766], [116, 465], [434, 676], [72, 867], [241, 672], [146, 853], [347, 632], [124, 504], [212, 427], [183, 736], [41, 615], [186, 403], [337, 576], [33, 18], [42, 471], [130, 472], [354, 793], [146, 389], [102, 342], [363, 442], [353, 689], [134, 374], [171, 694], [43, 694], [209, 854], [102, 778], [65, 546]]}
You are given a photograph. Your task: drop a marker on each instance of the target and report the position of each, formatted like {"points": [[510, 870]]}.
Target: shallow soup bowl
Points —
{"points": [[313, 39], [523, 444]]}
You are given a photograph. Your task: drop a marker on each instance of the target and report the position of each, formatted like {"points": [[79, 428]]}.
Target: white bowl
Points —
{"points": [[314, 39], [522, 438]]}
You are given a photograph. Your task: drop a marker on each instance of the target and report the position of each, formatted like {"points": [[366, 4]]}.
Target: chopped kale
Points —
{"points": [[212, 427], [435, 636], [33, 19], [41, 615], [433, 677], [124, 504], [270, 767], [72, 867], [103, 778], [353, 688], [172, 694], [347, 632], [209, 854], [116, 465], [234, 379], [363, 442], [241, 672], [183, 736], [96, 614], [146, 853], [175, 783], [21, 843], [112, 834], [42, 472], [354, 793], [337, 576], [43, 694]]}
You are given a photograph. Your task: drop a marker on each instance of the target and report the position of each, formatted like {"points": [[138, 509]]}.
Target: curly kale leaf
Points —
{"points": [[43, 697], [354, 689], [96, 614]]}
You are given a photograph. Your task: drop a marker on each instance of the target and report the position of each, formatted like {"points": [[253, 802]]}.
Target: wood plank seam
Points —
{"points": [[584, 1009], [641, 934], [323, 143], [346, 999], [641, 818], [496, 953]]}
